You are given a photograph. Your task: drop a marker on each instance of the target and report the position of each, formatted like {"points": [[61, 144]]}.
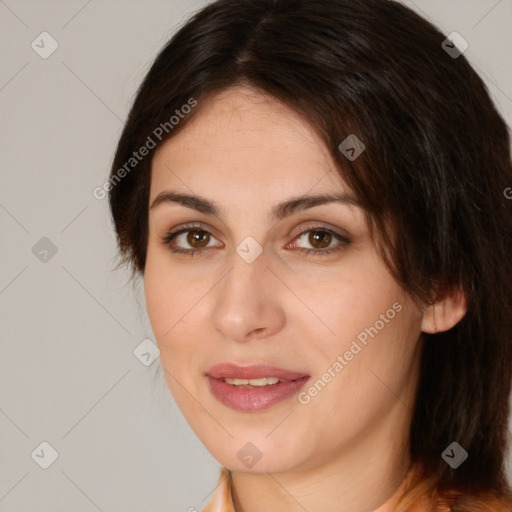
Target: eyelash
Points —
{"points": [[167, 239]]}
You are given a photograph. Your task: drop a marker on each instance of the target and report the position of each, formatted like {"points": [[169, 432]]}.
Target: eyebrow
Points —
{"points": [[278, 212]]}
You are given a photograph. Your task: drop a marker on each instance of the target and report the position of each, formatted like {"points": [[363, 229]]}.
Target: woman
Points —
{"points": [[313, 193]]}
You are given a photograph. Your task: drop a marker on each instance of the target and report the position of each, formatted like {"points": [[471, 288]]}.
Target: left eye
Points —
{"points": [[323, 240]]}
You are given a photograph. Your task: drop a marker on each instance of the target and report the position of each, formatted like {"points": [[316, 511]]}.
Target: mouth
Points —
{"points": [[253, 388]]}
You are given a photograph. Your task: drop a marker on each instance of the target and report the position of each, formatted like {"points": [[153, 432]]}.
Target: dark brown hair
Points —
{"points": [[432, 179]]}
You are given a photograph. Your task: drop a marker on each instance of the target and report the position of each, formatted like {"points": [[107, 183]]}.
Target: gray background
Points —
{"points": [[69, 325]]}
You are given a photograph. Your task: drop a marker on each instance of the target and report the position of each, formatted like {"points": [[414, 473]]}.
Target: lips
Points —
{"points": [[232, 371], [245, 398]]}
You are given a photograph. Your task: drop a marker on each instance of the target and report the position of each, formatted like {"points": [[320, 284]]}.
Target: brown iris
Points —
{"points": [[320, 239], [198, 238]]}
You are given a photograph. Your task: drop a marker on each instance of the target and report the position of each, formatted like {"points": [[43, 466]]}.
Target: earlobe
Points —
{"points": [[447, 311]]}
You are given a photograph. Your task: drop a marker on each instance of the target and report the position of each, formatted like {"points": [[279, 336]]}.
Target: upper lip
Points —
{"points": [[232, 371]]}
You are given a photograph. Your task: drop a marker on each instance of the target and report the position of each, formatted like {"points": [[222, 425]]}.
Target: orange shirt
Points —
{"points": [[221, 500]]}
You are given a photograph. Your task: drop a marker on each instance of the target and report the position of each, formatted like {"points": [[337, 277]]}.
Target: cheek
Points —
{"points": [[371, 364], [366, 344], [373, 325], [169, 297], [165, 307], [347, 302], [158, 302], [174, 307]]}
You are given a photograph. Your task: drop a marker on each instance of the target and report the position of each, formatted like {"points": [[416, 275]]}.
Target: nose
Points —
{"points": [[246, 303]]}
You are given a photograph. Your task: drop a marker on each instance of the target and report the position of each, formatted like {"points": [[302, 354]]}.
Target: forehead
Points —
{"points": [[241, 142]]}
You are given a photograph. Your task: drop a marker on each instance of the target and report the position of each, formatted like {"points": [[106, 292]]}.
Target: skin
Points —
{"points": [[346, 449]]}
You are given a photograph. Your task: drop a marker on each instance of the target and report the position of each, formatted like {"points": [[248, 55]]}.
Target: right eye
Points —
{"points": [[193, 236]]}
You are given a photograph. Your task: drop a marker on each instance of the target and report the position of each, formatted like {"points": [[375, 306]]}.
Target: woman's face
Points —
{"points": [[298, 287]]}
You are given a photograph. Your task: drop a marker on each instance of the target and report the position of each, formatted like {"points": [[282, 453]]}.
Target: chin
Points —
{"points": [[256, 457]]}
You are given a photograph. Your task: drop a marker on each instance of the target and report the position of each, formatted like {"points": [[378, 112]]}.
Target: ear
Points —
{"points": [[447, 311]]}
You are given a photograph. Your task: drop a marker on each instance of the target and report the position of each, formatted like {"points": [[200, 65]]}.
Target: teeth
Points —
{"points": [[253, 382]]}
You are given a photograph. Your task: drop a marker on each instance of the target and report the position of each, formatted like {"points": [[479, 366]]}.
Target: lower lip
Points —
{"points": [[257, 399]]}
